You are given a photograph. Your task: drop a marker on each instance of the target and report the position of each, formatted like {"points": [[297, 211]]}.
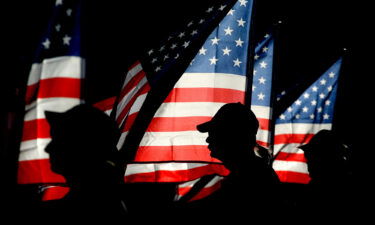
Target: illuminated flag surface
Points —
{"points": [[54, 84], [310, 113]]}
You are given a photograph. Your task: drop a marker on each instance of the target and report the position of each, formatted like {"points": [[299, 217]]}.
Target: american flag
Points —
{"points": [[260, 105], [171, 149], [310, 113], [54, 84], [261, 97]]}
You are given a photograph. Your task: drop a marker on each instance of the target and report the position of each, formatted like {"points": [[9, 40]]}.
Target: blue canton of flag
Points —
{"points": [[316, 104], [262, 76], [225, 50], [63, 34], [261, 88], [310, 113]]}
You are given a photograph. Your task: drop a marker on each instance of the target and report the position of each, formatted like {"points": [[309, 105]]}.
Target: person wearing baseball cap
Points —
{"points": [[247, 191], [83, 150]]}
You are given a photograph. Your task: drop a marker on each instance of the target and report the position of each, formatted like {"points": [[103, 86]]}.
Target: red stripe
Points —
{"points": [[126, 109], [298, 157], [54, 193], [175, 124], [34, 129], [129, 122], [174, 153], [205, 95], [183, 190], [293, 177], [264, 124], [31, 93], [177, 175], [292, 138], [136, 63], [105, 104], [264, 144], [37, 171], [60, 87], [133, 82]]}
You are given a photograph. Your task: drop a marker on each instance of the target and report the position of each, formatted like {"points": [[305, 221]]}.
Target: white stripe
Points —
{"points": [[131, 73], [174, 138], [34, 75], [214, 181], [64, 66], [300, 128], [212, 80], [108, 112], [287, 148], [263, 135], [126, 99], [121, 140], [150, 167], [134, 108], [186, 109], [34, 149], [261, 111], [281, 165], [37, 110], [138, 103], [189, 183]]}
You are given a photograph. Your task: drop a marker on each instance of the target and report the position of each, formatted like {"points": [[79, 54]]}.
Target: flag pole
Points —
{"points": [[275, 71], [250, 61], [344, 53]]}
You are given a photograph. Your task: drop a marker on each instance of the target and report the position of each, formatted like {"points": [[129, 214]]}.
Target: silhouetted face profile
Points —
{"points": [[82, 139], [231, 133]]}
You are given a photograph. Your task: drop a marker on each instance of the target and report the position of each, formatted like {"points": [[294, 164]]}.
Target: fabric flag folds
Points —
{"points": [[54, 84], [171, 149], [261, 106], [310, 113], [106, 105]]}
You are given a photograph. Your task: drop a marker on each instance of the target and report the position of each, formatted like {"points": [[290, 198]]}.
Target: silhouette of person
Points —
{"points": [[83, 150], [248, 190], [329, 192]]}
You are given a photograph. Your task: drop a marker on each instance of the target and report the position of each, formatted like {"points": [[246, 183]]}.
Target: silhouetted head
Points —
{"points": [[327, 157], [83, 138], [231, 132]]}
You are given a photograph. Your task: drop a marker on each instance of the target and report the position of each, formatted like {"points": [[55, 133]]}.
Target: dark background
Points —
{"points": [[311, 36]]}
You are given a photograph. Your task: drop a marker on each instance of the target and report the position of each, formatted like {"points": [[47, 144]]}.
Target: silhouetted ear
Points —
{"points": [[53, 118]]}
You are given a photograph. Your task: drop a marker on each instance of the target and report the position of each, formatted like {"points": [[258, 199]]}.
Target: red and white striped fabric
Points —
{"points": [[172, 150], [290, 163], [310, 113], [172, 134], [133, 94], [106, 105], [53, 85], [213, 185]]}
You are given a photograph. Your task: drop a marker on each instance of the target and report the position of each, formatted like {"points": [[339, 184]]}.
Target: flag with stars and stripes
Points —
{"points": [[310, 113], [260, 105], [54, 84], [262, 88], [179, 85]]}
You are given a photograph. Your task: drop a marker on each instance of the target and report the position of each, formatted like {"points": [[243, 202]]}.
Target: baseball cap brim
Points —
{"points": [[204, 127]]}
